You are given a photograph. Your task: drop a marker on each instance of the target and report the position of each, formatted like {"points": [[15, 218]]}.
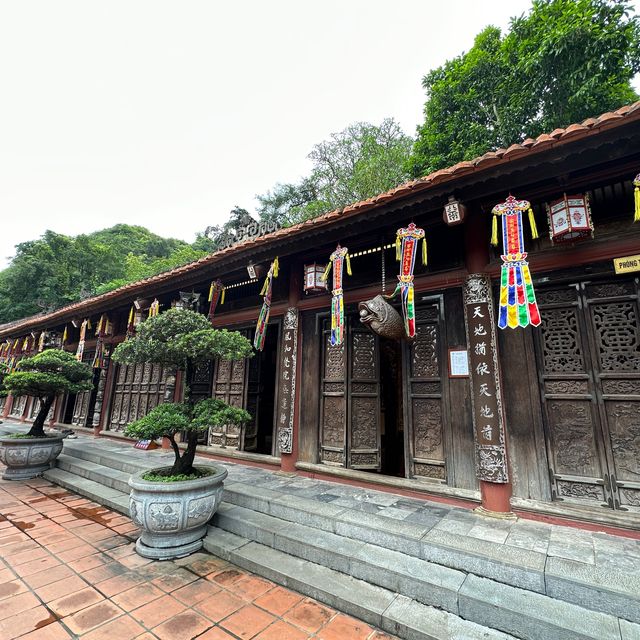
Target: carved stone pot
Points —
{"points": [[174, 515], [28, 457]]}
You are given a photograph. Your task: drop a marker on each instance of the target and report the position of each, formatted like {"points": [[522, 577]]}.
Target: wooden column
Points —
{"points": [[288, 401], [492, 467]]}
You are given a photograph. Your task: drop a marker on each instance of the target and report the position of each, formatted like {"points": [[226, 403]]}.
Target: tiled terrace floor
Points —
{"points": [[68, 569]]}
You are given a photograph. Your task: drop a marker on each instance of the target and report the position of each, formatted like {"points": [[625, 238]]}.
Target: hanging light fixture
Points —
{"points": [[569, 219], [313, 280]]}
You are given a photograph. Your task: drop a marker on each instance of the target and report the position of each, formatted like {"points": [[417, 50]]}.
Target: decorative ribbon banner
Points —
{"points": [[86, 324], [406, 248], [636, 198], [216, 294], [337, 260], [263, 318], [154, 308], [101, 331], [518, 306], [287, 381], [486, 396]]}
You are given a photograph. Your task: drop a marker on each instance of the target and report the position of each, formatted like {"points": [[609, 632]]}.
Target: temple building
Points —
{"points": [[503, 371]]}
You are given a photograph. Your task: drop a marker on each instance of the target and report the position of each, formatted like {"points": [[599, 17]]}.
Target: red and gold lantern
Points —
{"points": [[569, 219], [314, 278]]}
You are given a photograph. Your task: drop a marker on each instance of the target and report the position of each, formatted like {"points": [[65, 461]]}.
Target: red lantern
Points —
{"points": [[569, 219], [313, 278]]}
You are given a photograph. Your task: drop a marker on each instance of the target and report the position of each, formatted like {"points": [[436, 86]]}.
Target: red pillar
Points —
{"points": [[496, 497]]}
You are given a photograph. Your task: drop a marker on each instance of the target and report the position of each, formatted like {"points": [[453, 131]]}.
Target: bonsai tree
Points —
{"points": [[180, 338], [44, 376]]}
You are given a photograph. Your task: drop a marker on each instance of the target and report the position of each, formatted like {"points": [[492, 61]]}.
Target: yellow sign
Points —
{"points": [[627, 264]]}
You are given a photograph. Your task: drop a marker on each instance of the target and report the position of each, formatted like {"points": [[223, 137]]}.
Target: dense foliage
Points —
{"points": [[180, 338], [44, 376], [564, 61], [56, 270], [357, 163]]}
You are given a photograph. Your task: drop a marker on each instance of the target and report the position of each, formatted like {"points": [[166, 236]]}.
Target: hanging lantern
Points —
{"points": [[313, 278], [569, 219], [454, 212]]}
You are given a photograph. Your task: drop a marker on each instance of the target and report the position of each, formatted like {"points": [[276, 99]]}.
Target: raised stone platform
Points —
{"points": [[416, 568]]}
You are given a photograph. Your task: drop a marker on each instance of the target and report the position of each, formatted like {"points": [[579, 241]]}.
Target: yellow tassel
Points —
{"points": [[494, 231], [276, 267], [532, 224], [398, 248], [210, 292], [325, 275], [424, 251], [636, 217], [348, 261], [263, 291], [222, 296], [129, 321], [64, 334], [88, 323]]}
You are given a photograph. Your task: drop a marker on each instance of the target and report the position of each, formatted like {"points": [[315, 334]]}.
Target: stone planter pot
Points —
{"points": [[174, 515], [28, 457]]}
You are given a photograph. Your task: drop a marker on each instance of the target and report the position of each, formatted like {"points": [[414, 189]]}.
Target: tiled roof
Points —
{"points": [[528, 147]]}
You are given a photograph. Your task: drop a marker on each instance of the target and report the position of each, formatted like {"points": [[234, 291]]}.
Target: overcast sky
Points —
{"points": [[167, 114]]}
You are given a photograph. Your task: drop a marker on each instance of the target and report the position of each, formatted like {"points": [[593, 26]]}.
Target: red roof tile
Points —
{"points": [[124, 295]]}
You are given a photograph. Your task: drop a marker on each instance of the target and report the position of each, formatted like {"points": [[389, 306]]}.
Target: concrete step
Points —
{"points": [[381, 607], [519, 612], [106, 496], [607, 591]]}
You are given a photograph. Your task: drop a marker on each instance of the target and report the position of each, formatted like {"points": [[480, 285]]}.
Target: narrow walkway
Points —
{"points": [[68, 569]]}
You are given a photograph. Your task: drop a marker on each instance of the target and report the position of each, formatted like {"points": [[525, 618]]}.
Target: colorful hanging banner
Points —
{"points": [[518, 306], [216, 294], [86, 324], [407, 240], [154, 309], [263, 318], [337, 260], [636, 197], [43, 335], [101, 331]]}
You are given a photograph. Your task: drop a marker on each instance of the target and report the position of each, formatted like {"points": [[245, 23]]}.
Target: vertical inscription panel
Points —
{"points": [[287, 381], [486, 397]]}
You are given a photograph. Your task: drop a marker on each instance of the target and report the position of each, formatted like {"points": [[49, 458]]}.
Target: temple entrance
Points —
{"points": [[384, 403], [588, 353], [250, 384]]}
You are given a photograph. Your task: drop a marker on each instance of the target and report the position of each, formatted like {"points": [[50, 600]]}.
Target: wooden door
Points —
{"points": [[138, 388], [229, 386], [588, 352], [612, 310], [426, 389], [350, 399]]}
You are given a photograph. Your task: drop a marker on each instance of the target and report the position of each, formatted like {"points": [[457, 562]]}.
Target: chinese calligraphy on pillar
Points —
{"points": [[287, 381], [486, 398]]}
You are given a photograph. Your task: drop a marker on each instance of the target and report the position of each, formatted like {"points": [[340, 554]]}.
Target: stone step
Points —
{"points": [[106, 476], [380, 607], [602, 590], [106, 496], [522, 613]]}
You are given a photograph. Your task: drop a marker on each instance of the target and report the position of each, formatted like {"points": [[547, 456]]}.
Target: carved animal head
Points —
{"points": [[382, 318]]}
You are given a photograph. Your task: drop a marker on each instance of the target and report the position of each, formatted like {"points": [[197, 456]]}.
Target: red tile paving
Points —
{"points": [[69, 570]]}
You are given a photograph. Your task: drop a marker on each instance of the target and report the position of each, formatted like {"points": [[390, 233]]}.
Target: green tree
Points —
{"points": [[564, 61], [56, 270], [181, 338], [44, 376], [353, 164]]}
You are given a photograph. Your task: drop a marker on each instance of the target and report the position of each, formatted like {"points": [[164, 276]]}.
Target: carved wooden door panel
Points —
{"points": [[333, 401], [588, 353], [250, 435], [200, 383], [229, 386], [363, 425], [80, 409], [350, 399], [138, 389], [425, 390], [614, 329]]}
